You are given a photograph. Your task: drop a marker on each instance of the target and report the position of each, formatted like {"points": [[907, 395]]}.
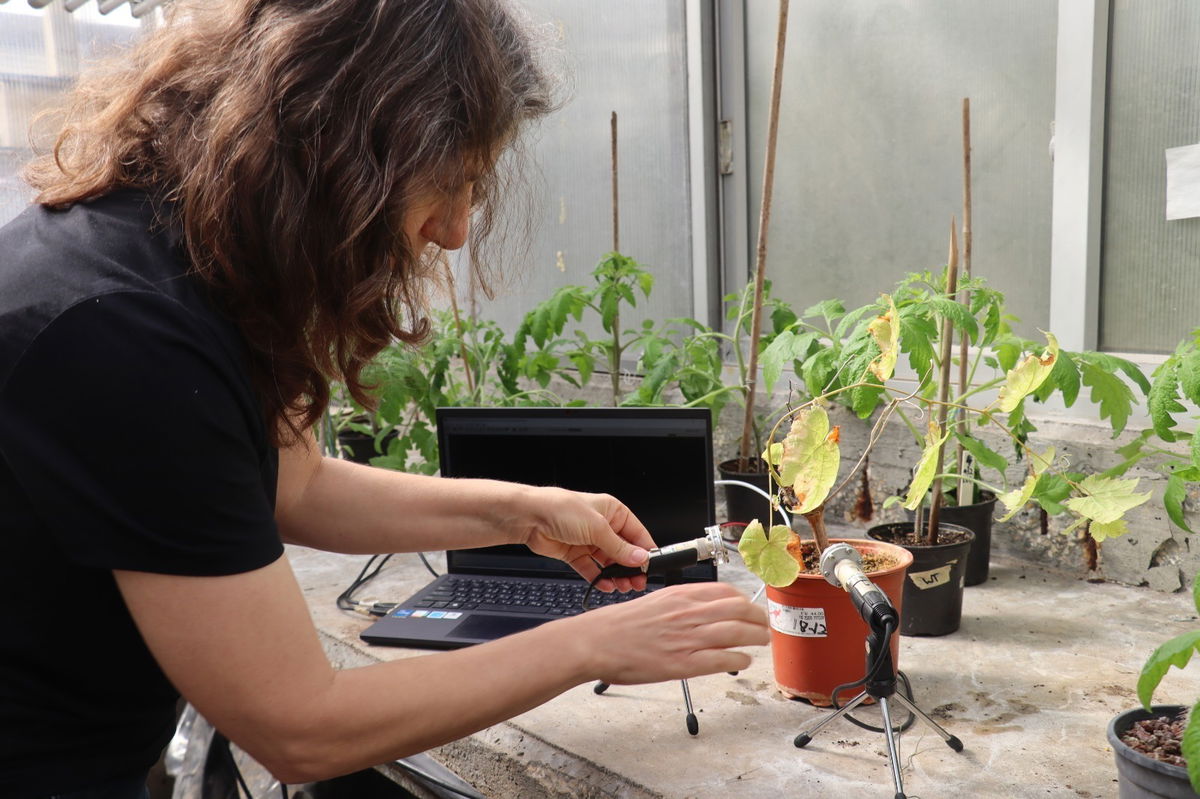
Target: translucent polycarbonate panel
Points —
{"points": [[626, 56], [1149, 277], [869, 164], [41, 52]]}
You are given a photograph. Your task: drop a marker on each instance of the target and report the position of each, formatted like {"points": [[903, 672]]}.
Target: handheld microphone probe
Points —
{"points": [[842, 565], [674, 557]]}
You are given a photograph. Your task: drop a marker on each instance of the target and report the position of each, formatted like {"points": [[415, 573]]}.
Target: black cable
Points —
{"points": [[345, 600], [432, 571], [872, 672]]}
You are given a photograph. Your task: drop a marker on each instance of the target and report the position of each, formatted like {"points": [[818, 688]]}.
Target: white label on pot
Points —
{"points": [[932, 578], [800, 622]]}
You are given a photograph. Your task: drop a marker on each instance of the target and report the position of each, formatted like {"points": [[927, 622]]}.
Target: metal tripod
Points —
{"points": [[693, 724], [882, 687]]}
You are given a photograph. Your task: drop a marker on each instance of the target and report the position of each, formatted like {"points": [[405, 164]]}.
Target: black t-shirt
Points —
{"points": [[130, 438]]}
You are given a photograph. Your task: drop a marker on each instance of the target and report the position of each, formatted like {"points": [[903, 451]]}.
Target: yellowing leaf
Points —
{"points": [[926, 468], [1110, 530], [811, 457], [1106, 499], [773, 454], [885, 330], [766, 554], [1016, 499], [1026, 376]]}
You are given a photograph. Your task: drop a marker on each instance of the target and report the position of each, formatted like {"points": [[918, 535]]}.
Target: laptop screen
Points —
{"points": [[658, 461]]}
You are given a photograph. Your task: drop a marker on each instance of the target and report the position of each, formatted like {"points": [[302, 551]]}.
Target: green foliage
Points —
{"points": [[1176, 652]]}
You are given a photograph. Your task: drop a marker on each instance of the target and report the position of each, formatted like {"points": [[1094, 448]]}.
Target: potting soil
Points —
{"points": [[1160, 738]]}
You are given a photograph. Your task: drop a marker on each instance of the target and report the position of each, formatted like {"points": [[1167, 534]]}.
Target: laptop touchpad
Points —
{"points": [[486, 628]]}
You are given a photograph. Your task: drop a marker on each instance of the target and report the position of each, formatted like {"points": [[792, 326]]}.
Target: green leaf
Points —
{"points": [[608, 310], [1176, 652], [818, 371], [1050, 491], [917, 334], [645, 282], [1106, 499], [982, 454], [926, 467], [1112, 395], [1190, 745], [1027, 376], [959, 315], [1173, 498], [1196, 451], [1164, 399], [885, 331], [1196, 594], [766, 555], [826, 309], [1113, 364], [1065, 376], [1189, 375], [775, 356], [810, 459]]}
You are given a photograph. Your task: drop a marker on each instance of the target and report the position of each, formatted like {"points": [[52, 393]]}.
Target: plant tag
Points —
{"points": [[1183, 182], [800, 622], [932, 578]]}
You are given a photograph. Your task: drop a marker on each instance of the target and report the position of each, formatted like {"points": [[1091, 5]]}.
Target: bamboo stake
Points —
{"points": [[966, 489], [615, 206], [764, 221], [614, 370], [935, 505]]}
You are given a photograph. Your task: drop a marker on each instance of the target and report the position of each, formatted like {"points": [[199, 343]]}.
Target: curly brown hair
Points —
{"points": [[289, 138]]}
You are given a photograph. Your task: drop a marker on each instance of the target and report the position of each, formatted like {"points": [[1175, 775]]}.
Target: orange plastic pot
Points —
{"points": [[817, 636]]}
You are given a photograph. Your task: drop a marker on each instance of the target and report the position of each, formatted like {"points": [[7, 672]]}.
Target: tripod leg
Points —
{"points": [[600, 687], [952, 741], [893, 752], [803, 738], [693, 724]]}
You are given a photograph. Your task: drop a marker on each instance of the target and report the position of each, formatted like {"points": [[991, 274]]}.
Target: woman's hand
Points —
{"points": [[586, 529], [672, 633]]}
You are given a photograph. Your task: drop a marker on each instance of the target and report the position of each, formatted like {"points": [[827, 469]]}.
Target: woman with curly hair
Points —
{"points": [[241, 210]]}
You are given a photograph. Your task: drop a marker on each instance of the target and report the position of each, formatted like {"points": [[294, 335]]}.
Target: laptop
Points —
{"points": [[658, 461]]}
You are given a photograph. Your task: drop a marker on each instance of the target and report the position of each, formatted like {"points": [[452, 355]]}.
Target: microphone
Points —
{"points": [[842, 565], [674, 557]]}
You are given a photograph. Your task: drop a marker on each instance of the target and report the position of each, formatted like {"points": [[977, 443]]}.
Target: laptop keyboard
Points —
{"points": [[518, 596]]}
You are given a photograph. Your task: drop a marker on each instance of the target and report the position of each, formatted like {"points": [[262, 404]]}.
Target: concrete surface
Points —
{"points": [[1041, 663]]}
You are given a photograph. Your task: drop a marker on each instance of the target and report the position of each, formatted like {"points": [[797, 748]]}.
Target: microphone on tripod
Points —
{"points": [[842, 565]]}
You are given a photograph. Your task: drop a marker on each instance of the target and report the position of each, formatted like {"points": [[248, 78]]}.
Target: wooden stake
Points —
{"points": [[764, 222], [935, 506], [462, 343], [615, 206], [966, 489]]}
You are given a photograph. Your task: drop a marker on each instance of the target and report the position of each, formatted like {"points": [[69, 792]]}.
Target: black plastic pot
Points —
{"points": [[933, 590], [742, 504], [1141, 777], [978, 519]]}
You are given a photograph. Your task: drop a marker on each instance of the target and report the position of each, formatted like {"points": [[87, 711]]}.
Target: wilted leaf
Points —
{"points": [[1015, 500], [926, 467], [885, 330], [1027, 376], [982, 454], [1107, 498], [766, 554], [810, 459], [1101, 531]]}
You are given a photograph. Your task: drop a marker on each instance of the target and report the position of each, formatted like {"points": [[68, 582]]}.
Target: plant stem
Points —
{"points": [[764, 222], [462, 342], [931, 533], [816, 520]]}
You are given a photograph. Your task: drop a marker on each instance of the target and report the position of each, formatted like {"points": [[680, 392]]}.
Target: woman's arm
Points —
{"points": [[243, 650]]}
